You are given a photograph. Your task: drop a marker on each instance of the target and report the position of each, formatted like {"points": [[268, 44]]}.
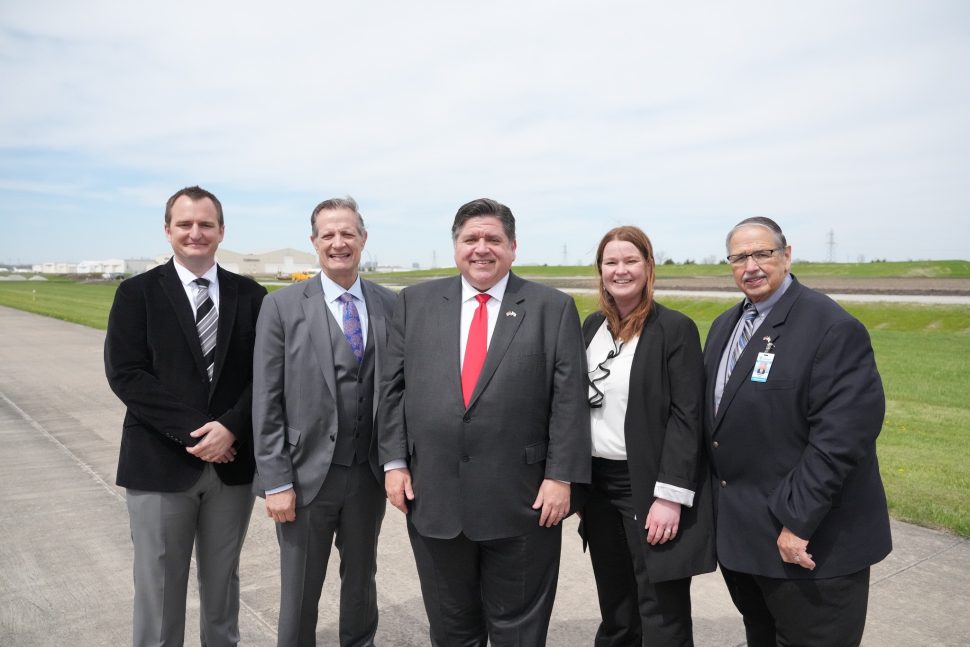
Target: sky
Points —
{"points": [[846, 122]]}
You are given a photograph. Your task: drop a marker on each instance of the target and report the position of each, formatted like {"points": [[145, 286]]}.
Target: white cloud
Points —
{"points": [[682, 118]]}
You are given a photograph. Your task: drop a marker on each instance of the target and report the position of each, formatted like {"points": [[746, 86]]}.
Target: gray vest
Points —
{"points": [[355, 397]]}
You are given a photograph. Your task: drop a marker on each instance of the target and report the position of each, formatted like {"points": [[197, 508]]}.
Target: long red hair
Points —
{"points": [[628, 327]]}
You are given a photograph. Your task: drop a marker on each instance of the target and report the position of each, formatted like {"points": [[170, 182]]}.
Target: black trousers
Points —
{"points": [[501, 590], [829, 612], [633, 610]]}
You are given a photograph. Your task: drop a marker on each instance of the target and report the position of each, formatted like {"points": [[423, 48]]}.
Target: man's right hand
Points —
{"points": [[397, 484], [281, 507]]}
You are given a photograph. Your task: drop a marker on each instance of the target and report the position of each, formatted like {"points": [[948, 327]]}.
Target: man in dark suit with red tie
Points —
{"points": [[793, 407], [483, 425], [179, 353]]}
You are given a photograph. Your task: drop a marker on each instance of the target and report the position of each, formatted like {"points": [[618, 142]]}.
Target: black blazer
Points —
{"points": [[153, 361], [663, 438], [799, 450]]}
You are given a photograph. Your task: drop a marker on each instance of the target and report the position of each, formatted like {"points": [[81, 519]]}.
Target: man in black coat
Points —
{"points": [[179, 353], [793, 406]]}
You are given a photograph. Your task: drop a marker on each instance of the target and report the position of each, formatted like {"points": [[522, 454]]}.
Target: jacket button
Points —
{"points": [[464, 459], [715, 445], [723, 483], [333, 437], [466, 418]]}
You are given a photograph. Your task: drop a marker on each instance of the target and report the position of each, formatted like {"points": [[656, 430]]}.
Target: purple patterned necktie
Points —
{"points": [[352, 329]]}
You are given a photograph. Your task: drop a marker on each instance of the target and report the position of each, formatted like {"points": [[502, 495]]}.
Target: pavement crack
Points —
{"points": [[57, 443], [956, 542]]}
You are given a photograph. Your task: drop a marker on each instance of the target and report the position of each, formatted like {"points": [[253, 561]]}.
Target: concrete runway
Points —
{"points": [[65, 550]]}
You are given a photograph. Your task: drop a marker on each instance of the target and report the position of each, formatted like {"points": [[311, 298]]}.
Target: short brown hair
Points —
{"points": [[193, 193]]}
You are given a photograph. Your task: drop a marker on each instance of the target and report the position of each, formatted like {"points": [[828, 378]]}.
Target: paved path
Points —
{"points": [[65, 551]]}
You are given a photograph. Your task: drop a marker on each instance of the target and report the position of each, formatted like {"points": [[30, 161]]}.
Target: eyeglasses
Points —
{"points": [[596, 400], [759, 256]]}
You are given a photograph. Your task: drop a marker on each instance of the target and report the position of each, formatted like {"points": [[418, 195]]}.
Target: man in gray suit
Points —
{"points": [[483, 426], [319, 345]]}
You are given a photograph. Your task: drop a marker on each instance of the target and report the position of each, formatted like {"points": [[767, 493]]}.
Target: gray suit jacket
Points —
{"points": [[294, 391], [478, 470]]}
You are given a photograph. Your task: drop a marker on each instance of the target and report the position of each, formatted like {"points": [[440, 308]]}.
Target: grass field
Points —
{"points": [[922, 352]]}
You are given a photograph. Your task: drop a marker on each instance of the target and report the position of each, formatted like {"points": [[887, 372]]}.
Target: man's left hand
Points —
{"points": [[216, 444], [792, 548], [553, 498]]}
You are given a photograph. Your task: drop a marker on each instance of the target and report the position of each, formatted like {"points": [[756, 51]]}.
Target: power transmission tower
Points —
{"points": [[831, 245]]}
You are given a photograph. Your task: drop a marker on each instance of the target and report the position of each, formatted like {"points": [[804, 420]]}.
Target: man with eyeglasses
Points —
{"points": [[793, 406]]}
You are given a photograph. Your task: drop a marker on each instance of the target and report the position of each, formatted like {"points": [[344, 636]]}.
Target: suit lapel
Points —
{"points": [[447, 317], [318, 325], [228, 299], [772, 326], [376, 330], [175, 293], [510, 316]]}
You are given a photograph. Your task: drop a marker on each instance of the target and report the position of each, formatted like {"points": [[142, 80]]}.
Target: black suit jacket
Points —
{"points": [[799, 450], [663, 437], [477, 470], [153, 361]]}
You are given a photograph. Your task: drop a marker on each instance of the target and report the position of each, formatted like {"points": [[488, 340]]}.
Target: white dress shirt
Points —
{"points": [[187, 277], [469, 304], [332, 293]]}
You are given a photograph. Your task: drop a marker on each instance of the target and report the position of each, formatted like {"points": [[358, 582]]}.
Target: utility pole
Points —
{"points": [[831, 245], [434, 259], [564, 256]]}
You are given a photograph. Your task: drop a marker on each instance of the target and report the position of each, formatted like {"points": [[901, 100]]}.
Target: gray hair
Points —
{"points": [[480, 208], [758, 221], [345, 202]]}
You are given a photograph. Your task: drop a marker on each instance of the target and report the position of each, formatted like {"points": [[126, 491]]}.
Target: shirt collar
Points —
{"points": [[186, 276], [764, 307], [332, 291], [497, 291]]}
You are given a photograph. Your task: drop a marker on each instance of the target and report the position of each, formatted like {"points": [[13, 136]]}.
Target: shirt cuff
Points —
{"points": [[395, 464], [282, 488], [675, 494]]}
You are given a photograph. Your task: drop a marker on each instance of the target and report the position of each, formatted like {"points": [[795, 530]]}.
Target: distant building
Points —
{"points": [[273, 263]]}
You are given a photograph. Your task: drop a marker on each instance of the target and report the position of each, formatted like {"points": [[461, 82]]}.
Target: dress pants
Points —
{"points": [[350, 506], [501, 590], [164, 525], [633, 609], [829, 612]]}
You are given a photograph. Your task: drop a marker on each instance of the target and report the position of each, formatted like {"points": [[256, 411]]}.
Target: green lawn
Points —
{"points": [[922, 353]]}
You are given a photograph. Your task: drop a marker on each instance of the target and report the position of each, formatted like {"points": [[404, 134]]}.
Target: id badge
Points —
{"points": [[762, 367]]}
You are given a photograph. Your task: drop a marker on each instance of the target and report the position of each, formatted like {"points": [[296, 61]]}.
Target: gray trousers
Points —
{"points": [[350, 506], [164, 526]]}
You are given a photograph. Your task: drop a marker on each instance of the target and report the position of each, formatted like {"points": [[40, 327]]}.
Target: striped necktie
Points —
{"points": [[750, 314], [206, 323]]}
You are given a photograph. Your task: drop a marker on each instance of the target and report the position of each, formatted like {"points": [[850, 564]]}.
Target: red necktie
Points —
{"points": [[475, 349]]}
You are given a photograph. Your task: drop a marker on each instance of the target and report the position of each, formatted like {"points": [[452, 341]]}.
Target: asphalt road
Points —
{"points": [[65, 550]]}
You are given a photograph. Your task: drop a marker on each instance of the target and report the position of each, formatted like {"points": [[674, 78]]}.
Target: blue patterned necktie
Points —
{"points": [[352, 330], [750, 314]]}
